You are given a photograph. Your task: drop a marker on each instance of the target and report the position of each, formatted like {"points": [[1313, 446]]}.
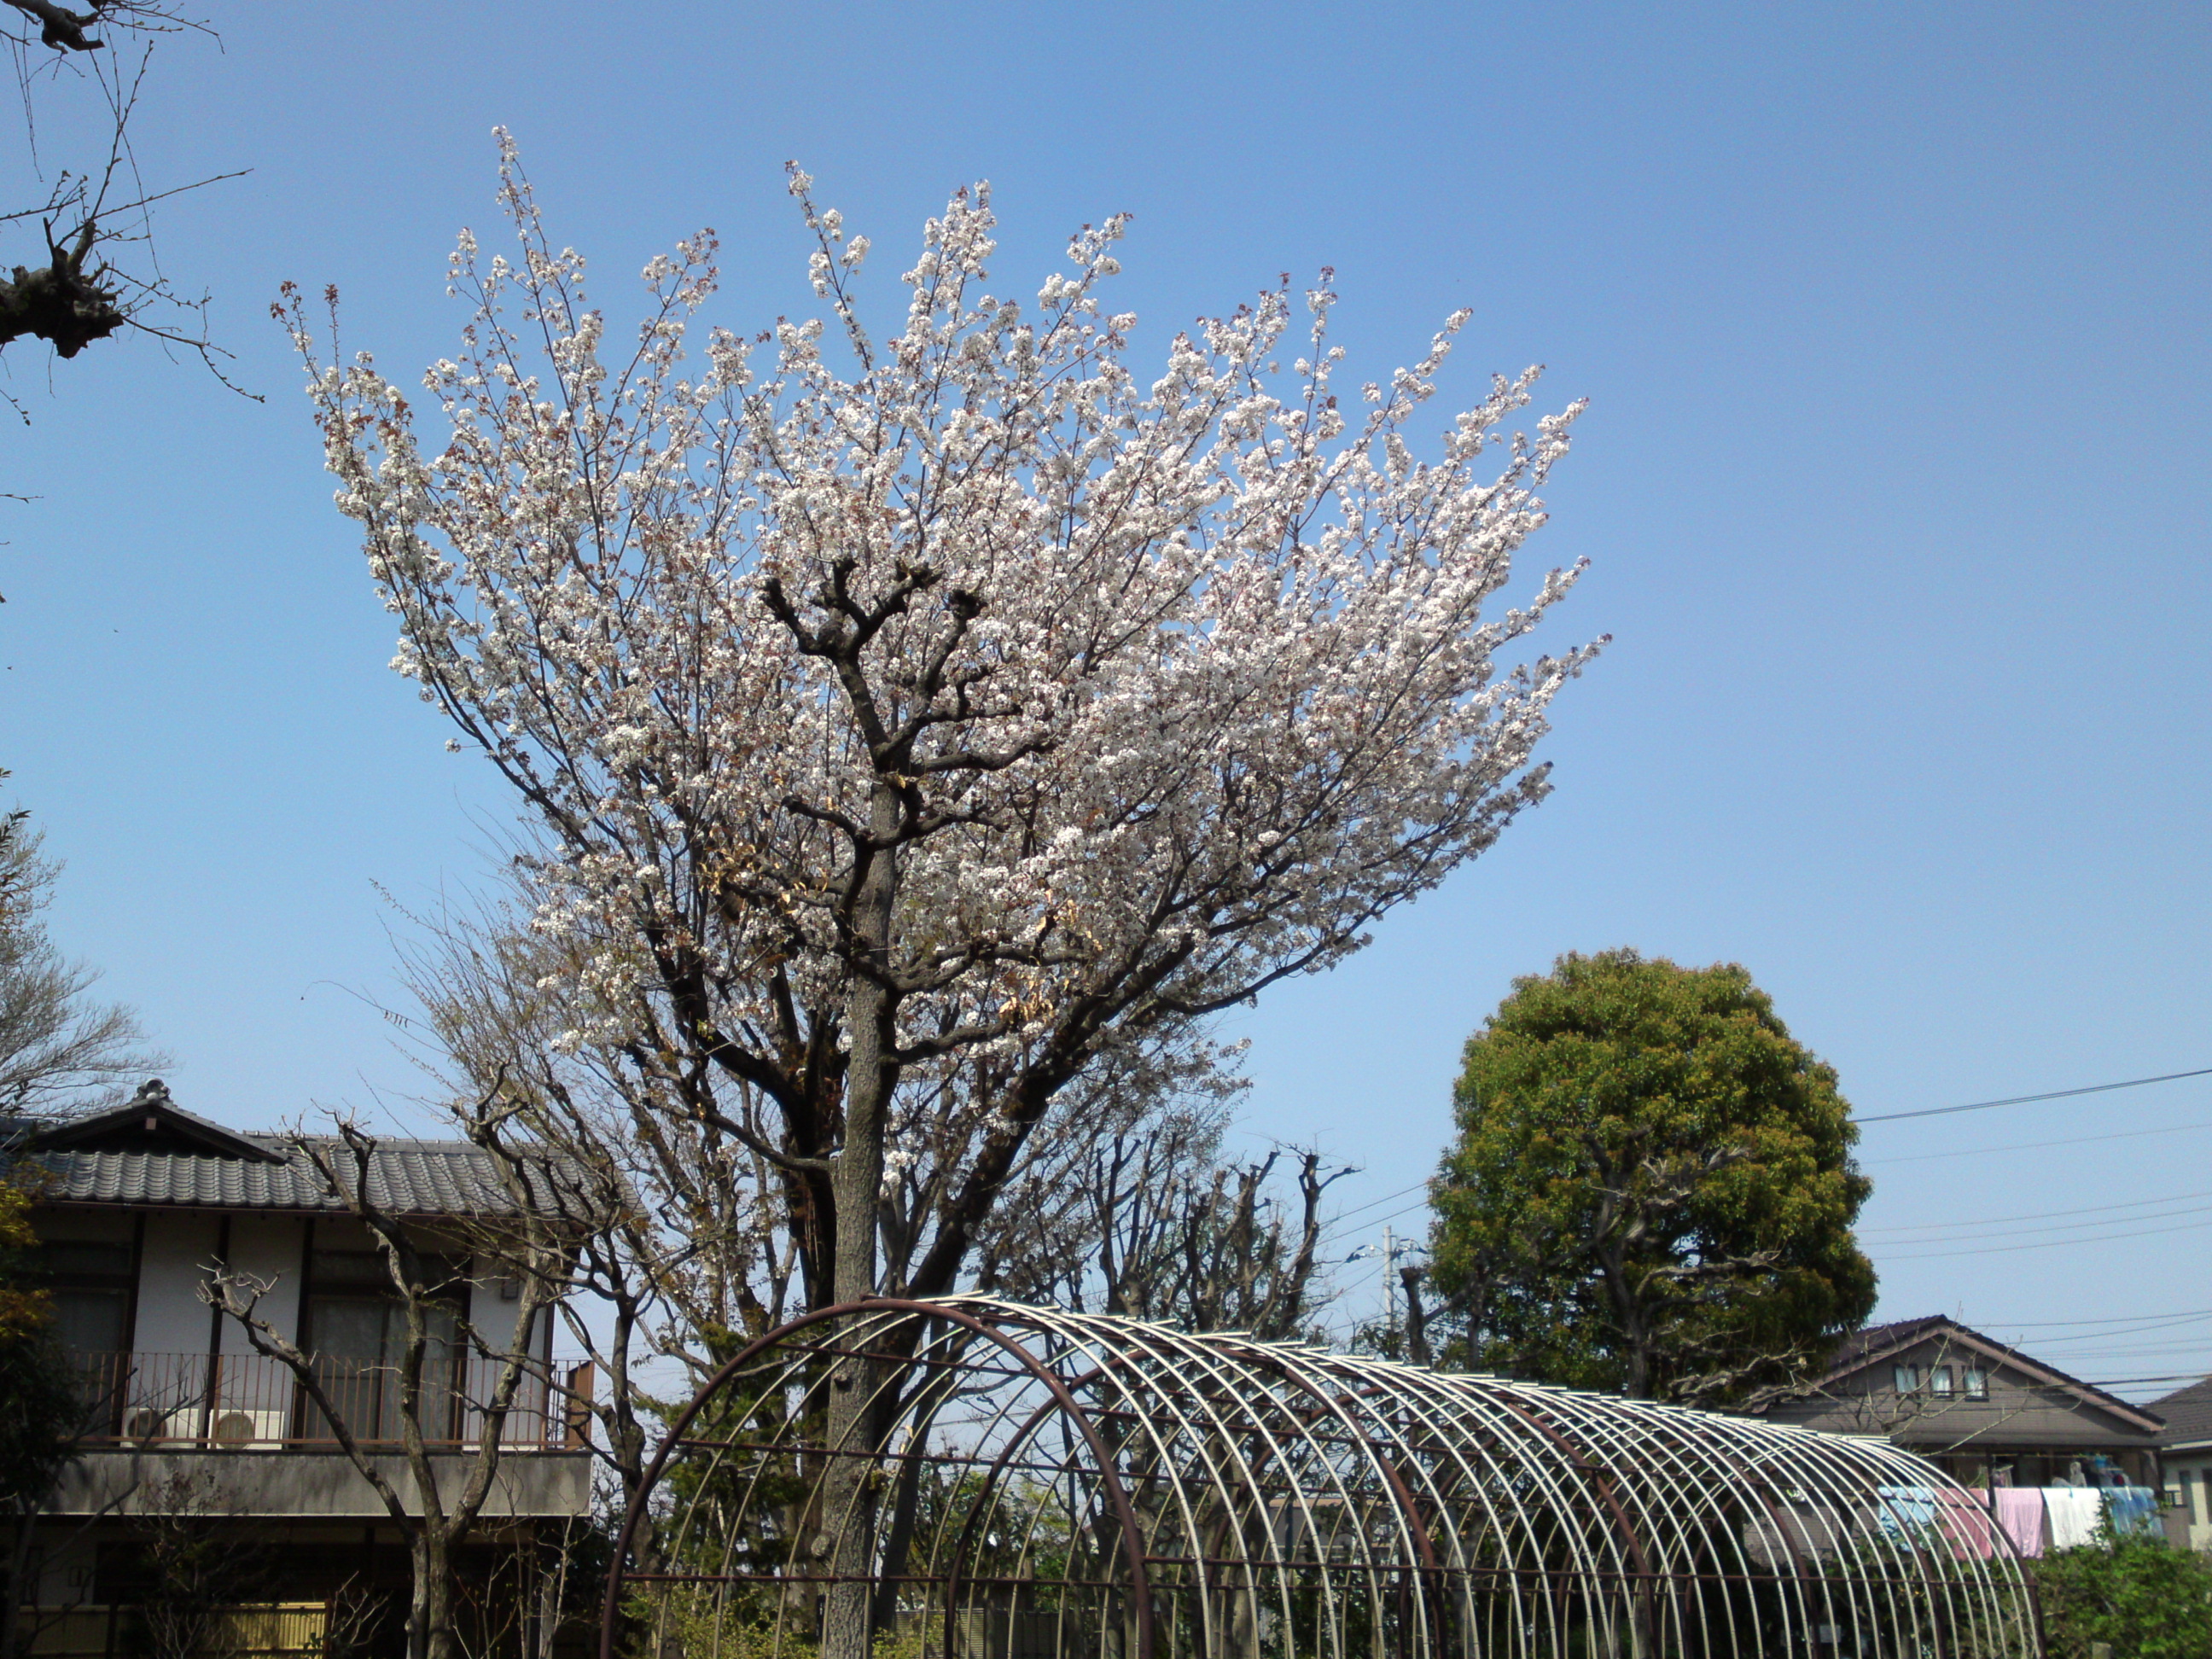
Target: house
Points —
{"points": [[2184, 1455], [1987, 1415], [138, 1206]]}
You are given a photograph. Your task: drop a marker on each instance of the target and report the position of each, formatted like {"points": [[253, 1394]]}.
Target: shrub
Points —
{"points": [[2146, 1599]]}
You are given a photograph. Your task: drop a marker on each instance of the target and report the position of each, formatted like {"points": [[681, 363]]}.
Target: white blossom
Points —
{"points": [[964, 678]]}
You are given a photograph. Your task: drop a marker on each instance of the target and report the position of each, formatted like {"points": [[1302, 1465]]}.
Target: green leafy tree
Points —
{"points": [[2140, 1596], [1652, 1189]]}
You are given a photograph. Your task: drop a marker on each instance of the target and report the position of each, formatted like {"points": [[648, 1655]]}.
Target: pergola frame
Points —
{"points": [[1053, 1485]]}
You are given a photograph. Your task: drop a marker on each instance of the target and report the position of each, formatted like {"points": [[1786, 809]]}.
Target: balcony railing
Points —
{"points": [[241, 1402]]}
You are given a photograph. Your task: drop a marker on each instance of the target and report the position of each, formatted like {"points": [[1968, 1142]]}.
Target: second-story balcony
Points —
{"points": [[175, 1402]]}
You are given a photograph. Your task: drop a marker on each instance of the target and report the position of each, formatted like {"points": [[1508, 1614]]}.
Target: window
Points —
{"points": [[1907, 1378], [357, 1328], [90, 1319], [359, 1343], [1978, 1383], [1939, 1382], [90, 1282], [74, 1258], [91, 1288]]}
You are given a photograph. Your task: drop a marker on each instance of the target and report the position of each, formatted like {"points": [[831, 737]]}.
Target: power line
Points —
{"points": [[2118, 1319], [1930, 1111], [2045, 1215], [1917, 1157], [2048, 1215], [2117, 1341], [1418, 1186], [1394, 1214], [2024, 1100], [1942, 1232], [2081, 1228], [2162, 1328], [2048, 1244], [1932, 1255], [2036, 1146]]}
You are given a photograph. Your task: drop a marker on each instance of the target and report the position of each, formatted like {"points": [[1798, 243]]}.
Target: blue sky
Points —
{"points": [[1892, 320]]}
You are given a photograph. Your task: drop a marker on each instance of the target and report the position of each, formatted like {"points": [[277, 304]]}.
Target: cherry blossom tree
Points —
{"points": [[919, 727]]}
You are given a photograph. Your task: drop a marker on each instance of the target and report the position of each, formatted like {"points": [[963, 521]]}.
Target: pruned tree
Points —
{"points": [[1155, 1224], [915, 734], [678, 1251], [1652, 1187], [95, 272], [450, 1483], [1417, 1348], [1400, 1330]]}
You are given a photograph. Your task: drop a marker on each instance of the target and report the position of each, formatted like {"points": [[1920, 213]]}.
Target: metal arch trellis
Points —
{"points": [[1047, 1485]]}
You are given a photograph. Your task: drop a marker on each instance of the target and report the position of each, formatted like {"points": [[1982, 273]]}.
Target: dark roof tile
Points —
{"points": [[406, 1178], [2188, 1414]]}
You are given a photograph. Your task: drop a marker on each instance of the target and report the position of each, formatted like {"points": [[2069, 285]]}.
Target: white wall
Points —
{"points": [[2191, 1526], [171, 1266], [490, 1309], [267, 1246], [491, 1313]]}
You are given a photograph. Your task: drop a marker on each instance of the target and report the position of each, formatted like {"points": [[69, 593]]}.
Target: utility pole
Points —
{"points": [[1392, 1250], [1390, 1284]]}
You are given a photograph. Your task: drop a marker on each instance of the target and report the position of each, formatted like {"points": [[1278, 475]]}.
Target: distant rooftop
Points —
{"points": [[1872, 1344], [2188, 1414]]}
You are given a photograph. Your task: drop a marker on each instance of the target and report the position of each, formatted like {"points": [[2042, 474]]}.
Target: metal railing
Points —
{"points": [[247, 1400]]}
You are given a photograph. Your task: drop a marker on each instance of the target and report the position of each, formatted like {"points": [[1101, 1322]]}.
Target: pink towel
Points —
{"points": [[2020, 1513], [1965, 1523]]}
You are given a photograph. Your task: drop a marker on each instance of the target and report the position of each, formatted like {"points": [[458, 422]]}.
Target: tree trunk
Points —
{"points": [[851, 1482], [906, 1507], [1632, 1320], [1416, 1319], [418, 1596], [552, 1585], [430, 1604]]}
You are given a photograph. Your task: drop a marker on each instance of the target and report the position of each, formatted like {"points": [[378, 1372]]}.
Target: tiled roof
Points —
{"points": [[405, 1177], [1881, 1339], [2188, 1414], [149, 1152], [150, 1120]]}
